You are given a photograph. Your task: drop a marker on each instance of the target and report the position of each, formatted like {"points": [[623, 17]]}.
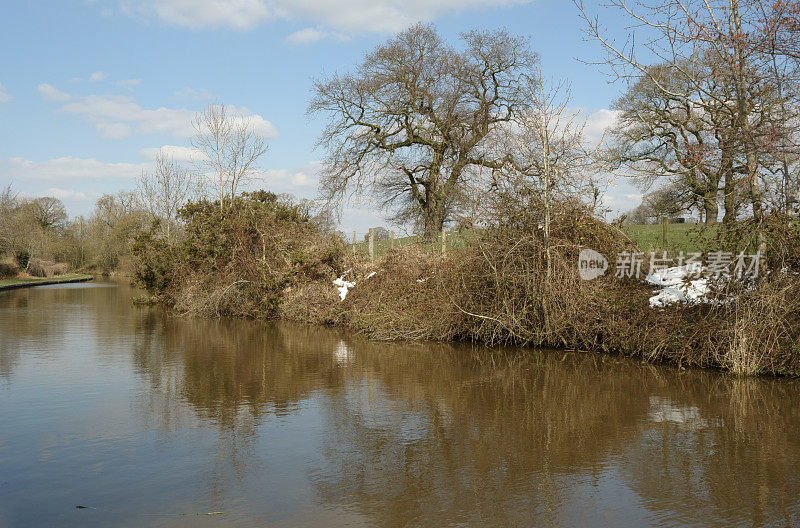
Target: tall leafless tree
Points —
{"points": [[685, 142], [163, 191], [416, 115], [229, 149], [548, 156]]}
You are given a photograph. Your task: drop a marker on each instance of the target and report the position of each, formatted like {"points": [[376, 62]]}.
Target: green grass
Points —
{"points": [[455, 240], [35, 280], [680, 237]]}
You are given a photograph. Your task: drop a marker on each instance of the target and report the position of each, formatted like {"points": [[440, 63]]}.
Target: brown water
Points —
{"points": [[153, 421]]}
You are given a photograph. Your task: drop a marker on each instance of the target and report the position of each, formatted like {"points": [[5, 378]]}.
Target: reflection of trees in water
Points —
{"points": [[729, 449], [438, 436], [226, 367], [23, 328], [446, 435], [46, 319], [231, 373]]}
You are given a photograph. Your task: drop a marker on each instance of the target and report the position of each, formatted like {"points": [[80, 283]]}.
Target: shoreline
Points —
{"points": [[30, 283]]}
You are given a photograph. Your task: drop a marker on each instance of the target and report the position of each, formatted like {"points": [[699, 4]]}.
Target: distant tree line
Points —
{"points": [[228, 150]]}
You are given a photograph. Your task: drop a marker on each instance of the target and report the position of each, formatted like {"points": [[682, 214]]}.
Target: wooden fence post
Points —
{"points": [[354, 243], [371, 243], [664, 228], [391, 246], [444, 241]]}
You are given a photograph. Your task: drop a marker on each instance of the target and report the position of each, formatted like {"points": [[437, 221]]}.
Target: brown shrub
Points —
{"points": [[762, 331], [314, 303], [214, 297], [8, 270], [46, 268], [38, 267], [404, 299], [59, 268]]}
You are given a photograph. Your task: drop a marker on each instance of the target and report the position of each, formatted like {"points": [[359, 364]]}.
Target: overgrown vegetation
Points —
{"points": [[37, 236], [495, 291], [269, 258], [241, 260]]}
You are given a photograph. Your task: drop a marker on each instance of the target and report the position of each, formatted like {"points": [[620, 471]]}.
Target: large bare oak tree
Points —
{"points": [[412, 122]]}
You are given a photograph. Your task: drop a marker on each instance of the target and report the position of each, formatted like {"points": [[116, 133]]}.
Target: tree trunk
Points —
{"points": [[433, 215], [711, 208], [728, 182], [729, 199], [744, 124]]}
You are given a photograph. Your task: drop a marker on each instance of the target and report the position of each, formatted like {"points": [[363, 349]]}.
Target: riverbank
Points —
{"points": [[29, 282], [507, 284]]}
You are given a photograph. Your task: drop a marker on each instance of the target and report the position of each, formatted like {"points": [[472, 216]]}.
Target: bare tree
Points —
{"points": [[666, 201], [47, 212], [165, 190], [684, 142], [547, 151], [735, 37], [417, 114], [230, 149]]}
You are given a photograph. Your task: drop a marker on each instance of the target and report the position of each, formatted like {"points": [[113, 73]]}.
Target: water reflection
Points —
{"points": [[304, 426]]}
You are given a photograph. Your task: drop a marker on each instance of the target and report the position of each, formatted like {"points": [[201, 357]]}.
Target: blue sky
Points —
{"points": [[90, 89]]}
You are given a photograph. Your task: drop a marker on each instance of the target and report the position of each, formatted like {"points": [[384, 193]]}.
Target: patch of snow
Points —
{"points": [[692, 292], [343, 286], [372, 274], [679, 285], [674, 276]]}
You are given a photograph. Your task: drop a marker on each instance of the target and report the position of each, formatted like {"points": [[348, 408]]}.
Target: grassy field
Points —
{"points": [[72, 277], [680, 237], [455, 240]]}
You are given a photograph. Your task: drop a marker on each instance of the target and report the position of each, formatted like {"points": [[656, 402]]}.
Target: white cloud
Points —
{"points": [[377, 15], [71, 195], [51, 93], [191, 93], [259, 124], [236, 14], [598, 123], [301, 182], [4, 97], [348, 15], [66, 169], [118, 116], [285, 179], [178, 153], [312, 35], [97, 76]]}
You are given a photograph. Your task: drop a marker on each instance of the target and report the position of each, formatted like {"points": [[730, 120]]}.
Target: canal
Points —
{"points": [[144, 419]]}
